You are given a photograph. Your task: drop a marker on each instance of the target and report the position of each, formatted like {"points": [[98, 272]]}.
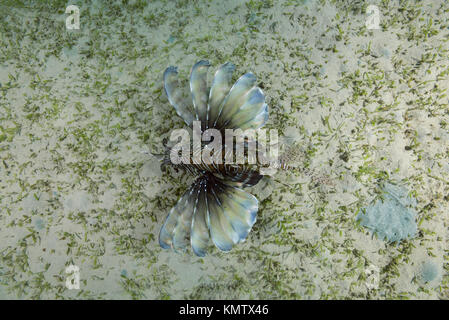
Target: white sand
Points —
{"points": [[77, 108]]}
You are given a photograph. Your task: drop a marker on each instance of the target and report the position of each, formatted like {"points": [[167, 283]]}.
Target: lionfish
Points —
{"points": [[215, 206]]}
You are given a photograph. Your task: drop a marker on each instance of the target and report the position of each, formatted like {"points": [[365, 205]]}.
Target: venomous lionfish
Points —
{"points": [[215, 206]]}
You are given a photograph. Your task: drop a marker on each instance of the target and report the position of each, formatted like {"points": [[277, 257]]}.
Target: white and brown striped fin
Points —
{"points": [[199, 238], [244, 107], [234, 99], [218, 91], [178, 96], [199, 90], [232, 214], [175, 231], [210, 209]]}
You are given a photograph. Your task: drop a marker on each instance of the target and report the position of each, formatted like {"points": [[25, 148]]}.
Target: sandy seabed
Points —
{"points": [[79, 107]]}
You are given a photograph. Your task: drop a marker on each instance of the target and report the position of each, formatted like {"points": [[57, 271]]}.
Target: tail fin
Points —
{"points": [[290, 156]]}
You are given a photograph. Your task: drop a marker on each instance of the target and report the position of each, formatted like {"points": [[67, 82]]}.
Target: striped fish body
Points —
{"points": [[216, 162], [215, 209]]}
